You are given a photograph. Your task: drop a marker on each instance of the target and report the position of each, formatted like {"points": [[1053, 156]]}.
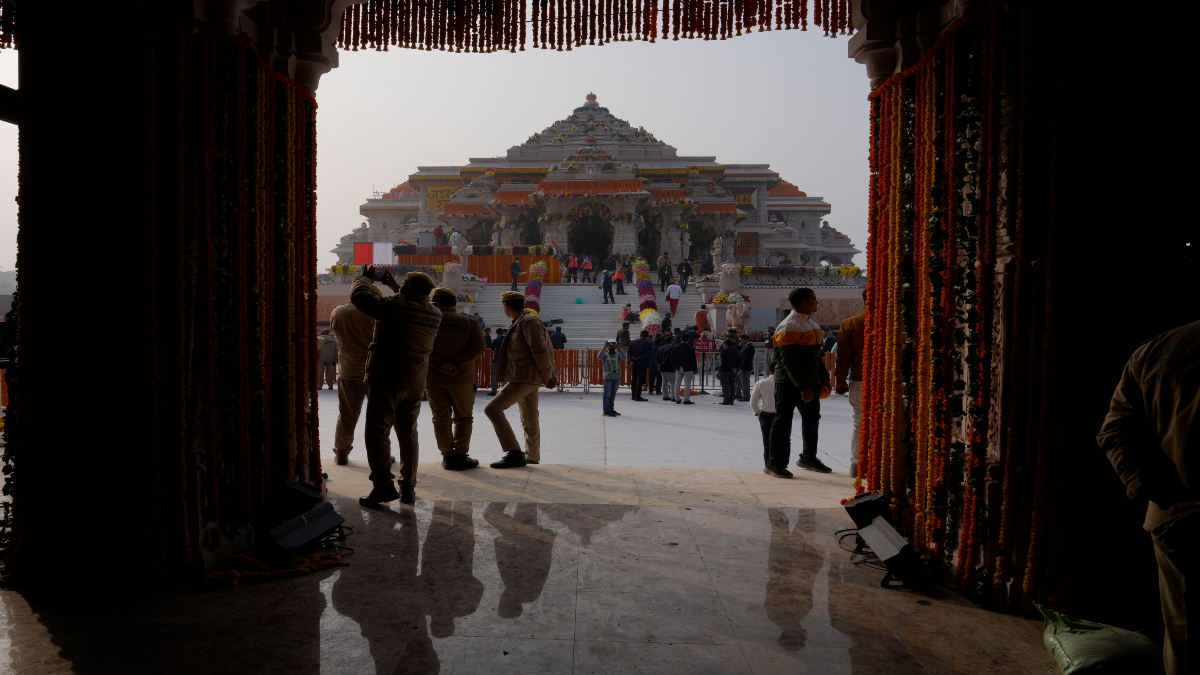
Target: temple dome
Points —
{"points": [[591, 100], [785, 189]]}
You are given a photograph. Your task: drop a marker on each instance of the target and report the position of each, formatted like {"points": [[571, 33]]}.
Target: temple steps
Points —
{"points": [[586, 325]]}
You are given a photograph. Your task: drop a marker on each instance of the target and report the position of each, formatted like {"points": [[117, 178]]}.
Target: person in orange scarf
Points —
{"points": [[801, 381]]}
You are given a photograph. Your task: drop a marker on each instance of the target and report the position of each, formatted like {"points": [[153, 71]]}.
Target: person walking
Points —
{"points": [[587, 271], [558, 339], [610, 364], [451, 381], [406, 325], [685, 368], [524, 364], [641, 355], [674, 293], [664, 272], [666, 323], [355, 330], [327, 356], [623, 336], [800, 381], [514, 270], [666, 366], [572, 268], [762, 402], [619, 277], [745, 367], [849, 350], [1151, 436], [685, 272], [726, 371], [487, 335], [606, 288], [654, 384], [500, 333]]}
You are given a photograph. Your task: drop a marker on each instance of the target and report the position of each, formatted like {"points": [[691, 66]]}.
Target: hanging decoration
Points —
{"points": [[500, 25], [934, 177], [647, 300], [533, 288]]}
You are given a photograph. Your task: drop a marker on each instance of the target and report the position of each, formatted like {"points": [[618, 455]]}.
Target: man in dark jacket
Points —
{"points": [[666, 366], [666, 324], [685, 273], [654, 383], [610, 264], [500, 333], [606, 286], [685, 368], [800, 379], [744, 368], [558, 339], [729, 363], [451, 381], [640, 352], [514, 270]]}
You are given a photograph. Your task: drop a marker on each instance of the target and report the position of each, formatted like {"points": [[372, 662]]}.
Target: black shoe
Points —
{"points": [[342, 457], [777, 471], [813, 464], [616, 413], [511, 460], [689, 403], [609, 413], [642, 400], [491, 393], [531, 461], [668, 398], [677, 402], [381, 494], [408, 494], [459, 462]]}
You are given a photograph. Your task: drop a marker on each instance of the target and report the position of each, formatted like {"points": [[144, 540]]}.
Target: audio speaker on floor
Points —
{"points": [[871, 515], [301, 534]]}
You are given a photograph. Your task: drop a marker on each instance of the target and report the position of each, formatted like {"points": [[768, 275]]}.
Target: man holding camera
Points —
{"points": [[406, 326]]}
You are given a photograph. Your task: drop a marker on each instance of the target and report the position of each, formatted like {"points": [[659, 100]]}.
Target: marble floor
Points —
{"points": [[554, 570]]}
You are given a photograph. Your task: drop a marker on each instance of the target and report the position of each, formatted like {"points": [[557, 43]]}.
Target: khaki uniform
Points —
{"points": [[452, 397], [1152, 438], [327, 357], [354, 331], [524, 364], [396, 367]]}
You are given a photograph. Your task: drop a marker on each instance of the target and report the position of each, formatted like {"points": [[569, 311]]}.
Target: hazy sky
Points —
{"points": [[790, 99]]}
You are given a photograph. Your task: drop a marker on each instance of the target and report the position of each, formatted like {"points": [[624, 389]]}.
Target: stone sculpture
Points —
{"points": [[716, 251], [452, 277], [729, 279], [737, 315]]}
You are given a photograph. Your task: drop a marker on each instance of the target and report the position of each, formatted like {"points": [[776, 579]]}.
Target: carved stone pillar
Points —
{"points": [[624, 237]]}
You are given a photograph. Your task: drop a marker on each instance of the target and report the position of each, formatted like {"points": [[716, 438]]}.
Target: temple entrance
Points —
{"points": [[480, 234], [702, 236], [591, 236], [649, 237]]}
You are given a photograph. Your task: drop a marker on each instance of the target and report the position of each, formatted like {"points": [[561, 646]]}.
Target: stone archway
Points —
{"points": [[591, 236], [702, 235]]}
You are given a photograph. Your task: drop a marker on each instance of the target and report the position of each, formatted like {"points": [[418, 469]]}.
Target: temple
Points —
{"points": [[595, 184]]}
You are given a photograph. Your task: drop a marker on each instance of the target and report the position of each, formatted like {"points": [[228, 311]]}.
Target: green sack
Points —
{"points": [[1080, 647]]}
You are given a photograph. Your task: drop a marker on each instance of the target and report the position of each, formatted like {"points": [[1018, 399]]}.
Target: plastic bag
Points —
{"points": [[1081, 647]]}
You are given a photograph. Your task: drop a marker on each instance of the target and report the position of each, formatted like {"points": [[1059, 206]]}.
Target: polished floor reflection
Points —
{"points": [[498, 587]]}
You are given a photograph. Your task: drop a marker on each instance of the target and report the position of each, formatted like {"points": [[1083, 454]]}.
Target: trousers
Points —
{"points": [[525, 397], [1180, 640], [788, 398], [683, 279], [668, 384], [764, 424], [514, 281], [610, 393], [743, 385], [654, 384], [620, 286], [608, 295], [452, 406], [674, 305], [392, 405], [856, 405], [727, 387], [573, 275], [326, 373], [639, 380], [664, 280], [685, 377], [350, 399]]}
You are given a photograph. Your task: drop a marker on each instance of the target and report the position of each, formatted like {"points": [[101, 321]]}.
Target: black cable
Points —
{"points": [[865, 558]]}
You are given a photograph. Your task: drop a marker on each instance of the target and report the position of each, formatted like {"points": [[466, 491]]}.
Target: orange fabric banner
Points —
{"points": [[589, 187], [729, 209], [492, 267]]}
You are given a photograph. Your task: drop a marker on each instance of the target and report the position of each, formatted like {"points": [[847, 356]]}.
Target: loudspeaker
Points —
{"points": [[875, 528], [301, 532]]}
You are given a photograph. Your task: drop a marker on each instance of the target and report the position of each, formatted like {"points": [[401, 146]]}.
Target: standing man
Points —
{"points": [[558, 339], [664, 272], [586, 266], [514, 270], [525, 364], [729, 363], [745, 367], [487, 335], [406, 325], [1152, 439], [451, 383], [619, 276], [654, 386], [610, 264], [641, 355], [762, 402], [454, 237], [438, 233], [685, 368], [828, 343], [674, 293], [685, 273], [666, 366], [606, 288], [702, 317], [800, 379], [849, 362], [666, 324], [355, 329], [327, 357], [572, 268], [610, 363], [500, 333], [623, 336]]}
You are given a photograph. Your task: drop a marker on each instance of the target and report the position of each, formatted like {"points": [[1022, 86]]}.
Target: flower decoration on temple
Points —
{"points": [[463, 297], [533, 289], [647, 301]]}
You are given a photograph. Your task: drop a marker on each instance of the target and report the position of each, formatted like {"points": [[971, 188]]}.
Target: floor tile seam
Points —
{"points": [[661, 642]]}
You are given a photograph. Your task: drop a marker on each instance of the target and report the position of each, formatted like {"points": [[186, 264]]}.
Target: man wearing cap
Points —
{"points": [[524, 363], [406, 325], [451, 383], [354, 330]]}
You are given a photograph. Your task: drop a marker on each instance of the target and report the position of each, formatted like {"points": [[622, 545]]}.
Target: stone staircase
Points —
{"points": [[586, 325]]}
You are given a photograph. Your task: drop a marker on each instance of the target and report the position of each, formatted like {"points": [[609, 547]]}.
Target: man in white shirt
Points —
{"points": [[762, 402], [674, 292]]}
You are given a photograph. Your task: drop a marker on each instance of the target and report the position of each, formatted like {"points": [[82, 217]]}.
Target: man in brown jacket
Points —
{"points": [[451, 383], [849, 361], [353, 329], [1151, 438], [524, 364], [406, 325]]}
